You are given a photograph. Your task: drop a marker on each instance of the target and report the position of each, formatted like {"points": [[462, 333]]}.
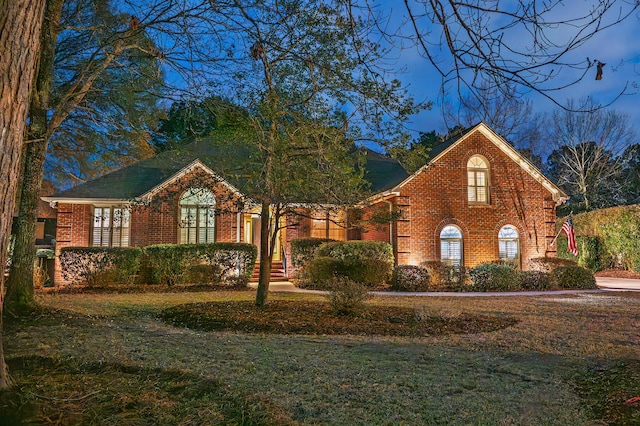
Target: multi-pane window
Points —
{"points": [[477, 180], [328, 225], [110, 226], [451, 245], [197, 216], [508, 243]]}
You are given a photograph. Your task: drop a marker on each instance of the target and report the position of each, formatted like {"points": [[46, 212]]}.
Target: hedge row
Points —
{"points": [[369, 263], [548, 273], [606, 238], [228, 263]]}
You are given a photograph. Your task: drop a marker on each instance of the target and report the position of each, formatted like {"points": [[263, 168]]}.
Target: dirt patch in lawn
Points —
{"points": [[317, 318]]}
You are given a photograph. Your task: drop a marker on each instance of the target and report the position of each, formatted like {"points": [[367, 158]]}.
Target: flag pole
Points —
{"points": [[558, 234]]}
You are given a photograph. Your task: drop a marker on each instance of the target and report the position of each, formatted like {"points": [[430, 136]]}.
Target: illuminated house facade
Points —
{"points": [[476, 200]]}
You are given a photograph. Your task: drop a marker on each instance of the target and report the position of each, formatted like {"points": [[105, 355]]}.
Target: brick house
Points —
{"points": [[476, 200]]}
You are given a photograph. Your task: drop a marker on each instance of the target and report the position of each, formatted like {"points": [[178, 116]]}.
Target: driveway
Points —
{"points": [[624, 284]]}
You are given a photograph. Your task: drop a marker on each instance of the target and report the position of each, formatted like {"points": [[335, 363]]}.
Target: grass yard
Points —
{"points": [[116, 359]]}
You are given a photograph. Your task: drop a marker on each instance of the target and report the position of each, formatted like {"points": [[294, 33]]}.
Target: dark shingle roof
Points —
{"points": [[135, 180], [383, 172], [138, 178]]}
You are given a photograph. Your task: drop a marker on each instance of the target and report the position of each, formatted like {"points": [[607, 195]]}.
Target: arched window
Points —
{"points": [[477, 180], [508, 243], [451, 245], [197, 216]]}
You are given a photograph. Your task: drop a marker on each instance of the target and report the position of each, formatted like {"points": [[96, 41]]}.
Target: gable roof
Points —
{"points": [[383, 172], [147, 177], [441, 149]]}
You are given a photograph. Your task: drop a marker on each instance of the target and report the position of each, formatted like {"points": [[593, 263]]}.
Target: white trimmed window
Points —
{"points": [[451, 245], [197, 216], [477, 180], [508, 243], [111, 225]]}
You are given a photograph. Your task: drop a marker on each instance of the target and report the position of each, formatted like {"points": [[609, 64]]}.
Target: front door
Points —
{"points": [[252, 235]]}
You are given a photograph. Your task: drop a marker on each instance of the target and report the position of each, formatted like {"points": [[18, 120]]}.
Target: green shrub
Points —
{"points": [[321, 271], [535, 280], [445, 275], [94, 265], [622, 239], [548, 264], [590, 252], [492, 277], [201, 263], [233, 259], [347, 297], [410, 278], [168, 262], [303, 250], [573, 277], [368, 272], [358, 250]]}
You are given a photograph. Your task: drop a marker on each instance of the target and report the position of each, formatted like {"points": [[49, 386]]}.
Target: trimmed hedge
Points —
{"points": [[321, 271], [95, 264], [303, 250], [535, 280], [607, 238], [445, 275], [358, 250], [366, 262], [211, 263], [591, 252], [492, 277], [573, 277], [410, 278]]}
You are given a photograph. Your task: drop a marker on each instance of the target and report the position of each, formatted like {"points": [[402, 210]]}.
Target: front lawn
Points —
{"points": [[111, 359]]}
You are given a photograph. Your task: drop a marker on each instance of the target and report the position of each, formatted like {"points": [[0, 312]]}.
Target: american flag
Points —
{"points": [[567, 227]]}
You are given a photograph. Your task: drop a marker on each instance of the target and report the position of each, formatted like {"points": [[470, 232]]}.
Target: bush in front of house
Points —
{"points": [[548, 264], [213, 263], [350, 250], [99, 265], [235, 260], [445, 275], [573, 277], [303, 250], [410, 278], [322, 270], [535, 280], [493, 277], [346, 296], [366, 262]]}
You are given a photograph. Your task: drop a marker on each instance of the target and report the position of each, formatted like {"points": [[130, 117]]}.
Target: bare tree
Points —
{"points": [[502, 109], [526, 43], [20, 26], [587, 150]]}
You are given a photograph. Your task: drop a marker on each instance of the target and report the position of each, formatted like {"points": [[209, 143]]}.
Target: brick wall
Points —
{"points": [[156, 223], [438, 197]]}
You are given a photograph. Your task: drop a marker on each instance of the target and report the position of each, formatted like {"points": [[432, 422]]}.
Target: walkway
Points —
{"points": [[604, 284]]}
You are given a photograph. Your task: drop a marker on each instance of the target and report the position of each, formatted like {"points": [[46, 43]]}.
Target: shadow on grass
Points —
{"points": [[62, 392], [607, 387]]}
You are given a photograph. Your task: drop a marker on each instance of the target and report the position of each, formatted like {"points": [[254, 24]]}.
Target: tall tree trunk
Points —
{"points": [[266, 255], [20, 26], [19, 299]]}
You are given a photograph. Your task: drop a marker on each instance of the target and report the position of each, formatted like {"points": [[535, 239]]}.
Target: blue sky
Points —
{"points": [[618, 47]]}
